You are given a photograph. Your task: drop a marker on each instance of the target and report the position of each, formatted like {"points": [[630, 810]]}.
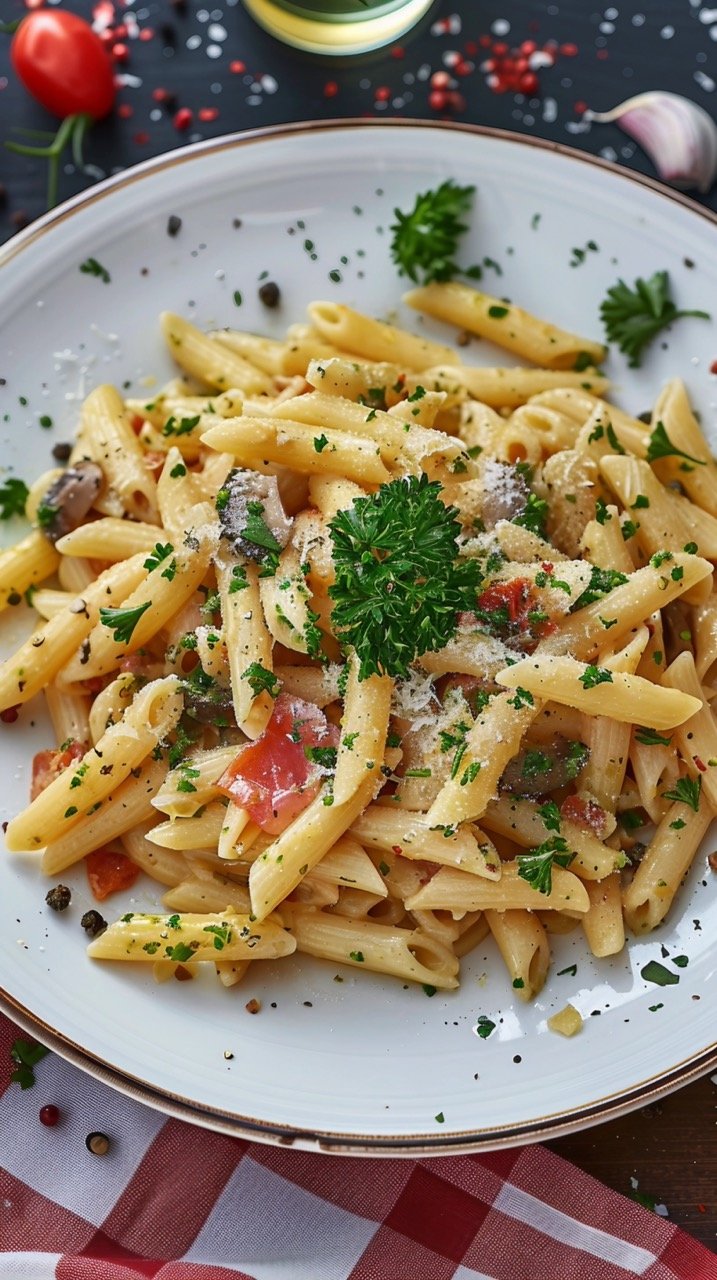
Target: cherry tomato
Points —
{"points": [[108, 871], [274, 778], [63, 64]]}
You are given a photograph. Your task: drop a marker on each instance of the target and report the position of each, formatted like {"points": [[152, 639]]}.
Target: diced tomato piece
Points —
{"points": [[515, 597], [137, 423], [587, 814], [108, 871], [273, 778], [48, 765]]}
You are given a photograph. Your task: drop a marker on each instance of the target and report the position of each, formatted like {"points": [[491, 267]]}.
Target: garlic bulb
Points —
{"points": [[679, 137]]}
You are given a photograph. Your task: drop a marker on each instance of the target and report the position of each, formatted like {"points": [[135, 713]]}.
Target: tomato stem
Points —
{"points": [[71, 131], [9, 28]]}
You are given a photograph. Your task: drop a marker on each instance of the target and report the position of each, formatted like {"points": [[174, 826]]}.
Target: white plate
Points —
{"points": [[363, 1064]]}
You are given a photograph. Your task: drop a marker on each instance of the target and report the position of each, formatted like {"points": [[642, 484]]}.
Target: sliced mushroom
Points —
{"points": [[542, 767], [251, 514], [210, 706], [505, 492], [68, 499]]}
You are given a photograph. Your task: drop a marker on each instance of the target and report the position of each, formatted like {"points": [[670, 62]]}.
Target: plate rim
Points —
{"points": [[469, 1141]]}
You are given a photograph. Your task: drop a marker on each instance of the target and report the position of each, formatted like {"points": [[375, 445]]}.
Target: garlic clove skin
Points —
{"points": [[679, 136]]}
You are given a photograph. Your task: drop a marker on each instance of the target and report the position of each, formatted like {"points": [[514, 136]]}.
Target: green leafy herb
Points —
{"points": [[602, 515], [181, 428], [320, 442], [26, 1056], [261, 681], [602, 582], [357, 956], [497, 312], [613, 440], [593, 676], [632, 317], [425, 240], [323, 756], [179, 470], [429, 990], [534, 515], [655, 972], [400, 582], [522, 699], [686, 791], [91, 267], [569, 972], [159, 553], [122, 622], [649, 738], [484, 1027], [661, 446], [180, 952], [257, 531], [13, 496], [550, 814], [537, 866], [45, 515]]}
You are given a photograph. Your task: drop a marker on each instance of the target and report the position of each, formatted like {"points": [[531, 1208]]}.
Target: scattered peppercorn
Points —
{"points": [[93, 923], [270, 294], [61, 452], [174, 224], [182, 974], [97, 1143], [253, 1006], [58, 898], [9, 715], [49, 1116]]}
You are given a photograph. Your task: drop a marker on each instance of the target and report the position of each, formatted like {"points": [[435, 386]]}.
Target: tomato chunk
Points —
{"points": [[274, 778], [108, 871], [48, 765], [587, 814]]}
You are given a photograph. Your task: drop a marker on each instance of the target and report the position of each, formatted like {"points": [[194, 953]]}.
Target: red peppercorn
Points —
{"points": [[120, 32], [382, 94], [330, 89], [568, 50], [500, 49], [528, 82], [182, 119], [528, 47], [237, 67], [49, 1116], [120, 52], [9, 715], [125, 111], [437, 99]]}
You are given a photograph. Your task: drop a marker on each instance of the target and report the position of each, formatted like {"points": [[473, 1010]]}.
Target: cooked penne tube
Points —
{"points": [[201, 831], [523, 822], [31, 560], [410, 836], [364, 726], [255, 441], [203, 769], [664, 519], [508, 388], [212, 363], [141, 614], [189, 938], [206, 895], [40, 658], [264, 353], [351, 331], [109, 539], [599, 691], [602, 922], [696, 738], [248, 641], [451, 890], [672, 411], [379, 948], [108, 439], [668, 857], [127, 806], [79, 791], [523, 944], [505, 324]]}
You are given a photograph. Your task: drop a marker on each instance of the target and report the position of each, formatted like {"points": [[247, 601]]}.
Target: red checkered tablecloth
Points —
{"points": [[173, 1202]]}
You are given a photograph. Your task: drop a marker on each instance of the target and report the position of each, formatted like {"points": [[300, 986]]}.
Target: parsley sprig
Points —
{"points": [[686, 791], [26, 1057], [425, 240], [661, 446], [537, 866], [13, 496], [123, 621], [399, 579], [633, 316]]}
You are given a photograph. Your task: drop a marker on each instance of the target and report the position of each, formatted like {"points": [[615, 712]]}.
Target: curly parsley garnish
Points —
{"points": [[261, 681], [399, 580], [632, 317], [425, 240], [26, 1056], [537, 866], [123, 621]]}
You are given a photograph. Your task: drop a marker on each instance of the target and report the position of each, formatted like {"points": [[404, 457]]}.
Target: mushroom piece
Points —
{"points": [[251, 514], [543, 767], [68, 499], [213, 705], [505, 492]]}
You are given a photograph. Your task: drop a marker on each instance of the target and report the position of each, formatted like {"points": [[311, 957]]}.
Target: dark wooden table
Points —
{"points": [[225, 74]]}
